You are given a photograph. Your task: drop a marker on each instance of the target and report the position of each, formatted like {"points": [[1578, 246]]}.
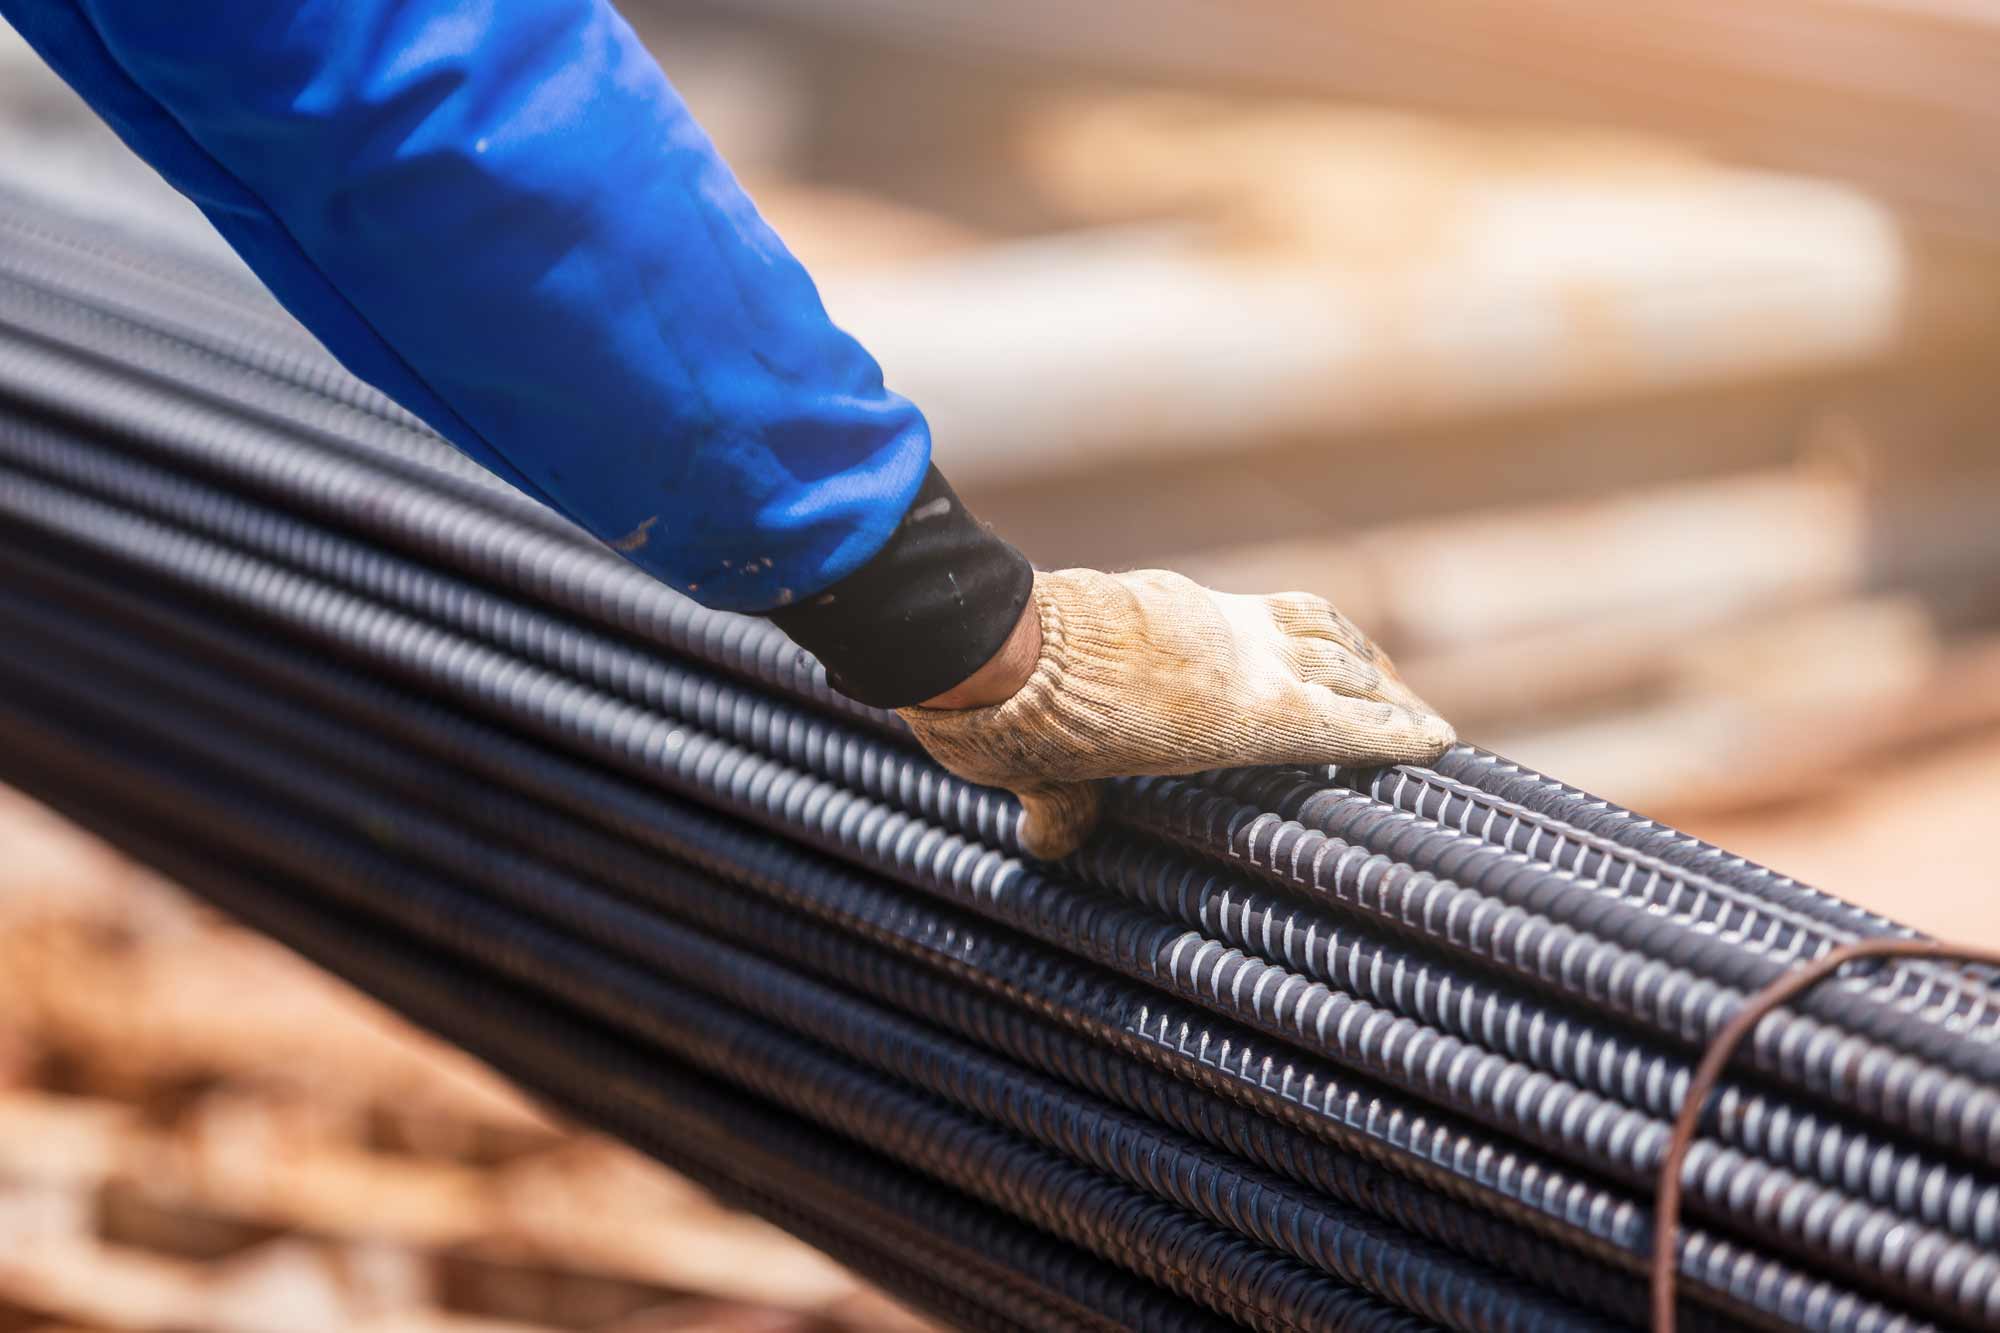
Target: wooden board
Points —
{"points": [[1894, 95]]}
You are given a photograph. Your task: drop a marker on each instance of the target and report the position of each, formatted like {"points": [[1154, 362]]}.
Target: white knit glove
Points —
{"points": [[1150, 672]]}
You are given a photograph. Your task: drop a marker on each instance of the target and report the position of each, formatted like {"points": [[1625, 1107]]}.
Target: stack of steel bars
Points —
{"points": [[1289, 1050]]}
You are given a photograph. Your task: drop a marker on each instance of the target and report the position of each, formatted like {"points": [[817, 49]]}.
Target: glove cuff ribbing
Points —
{"points": [[931, 608]]}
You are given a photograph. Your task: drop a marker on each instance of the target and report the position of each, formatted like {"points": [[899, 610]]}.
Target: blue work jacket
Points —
{"points": [[499, 213]]}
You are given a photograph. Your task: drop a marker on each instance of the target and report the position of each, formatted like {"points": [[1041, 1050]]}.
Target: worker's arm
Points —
{"points": [[501, 215]]}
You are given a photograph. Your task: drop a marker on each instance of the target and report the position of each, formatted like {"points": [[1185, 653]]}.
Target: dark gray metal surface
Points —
{"points": [[1288, 1049]]}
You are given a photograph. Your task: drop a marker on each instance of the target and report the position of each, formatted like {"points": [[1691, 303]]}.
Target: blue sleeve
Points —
{"points": [[499, 213]]}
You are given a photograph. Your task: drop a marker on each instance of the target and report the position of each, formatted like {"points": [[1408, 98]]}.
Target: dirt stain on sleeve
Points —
{"points": [[637, 537]]}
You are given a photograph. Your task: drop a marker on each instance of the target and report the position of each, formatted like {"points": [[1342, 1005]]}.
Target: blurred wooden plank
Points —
{"points": [[148, 1008], [438, 1321], [1048, 357], [844, 232], [1893, 95], [714, 1317], [1651, 562], [1857, 836], [75, 1141], [606, 1207], [1800, 718], [79, 1280], [237, 1172], [1312, 488]]}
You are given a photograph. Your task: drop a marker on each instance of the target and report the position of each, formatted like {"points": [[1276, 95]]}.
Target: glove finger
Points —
{"points": [[1367, 732], [1324, 662], [1340, 669], [1057, 817], [1396, 691], [1305, 616], [1303, 613]]}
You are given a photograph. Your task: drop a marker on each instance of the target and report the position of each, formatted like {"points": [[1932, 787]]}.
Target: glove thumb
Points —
{"points": [[1056, 817]]}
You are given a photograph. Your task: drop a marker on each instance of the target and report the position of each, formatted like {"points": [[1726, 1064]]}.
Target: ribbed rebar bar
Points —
{"points": [[1768, 921], [1484, 1086], [1715, 929], [1384, 1049], [1601, 843], [1212, 1265], [1973, 1113], [1560, 1043], [1333, 1106]]}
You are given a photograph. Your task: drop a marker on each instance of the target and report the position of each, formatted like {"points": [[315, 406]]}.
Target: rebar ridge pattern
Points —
{"points": [[1285, 1049]]}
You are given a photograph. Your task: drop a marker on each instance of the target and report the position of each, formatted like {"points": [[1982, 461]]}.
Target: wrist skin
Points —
{"points": [[1004, 673]]}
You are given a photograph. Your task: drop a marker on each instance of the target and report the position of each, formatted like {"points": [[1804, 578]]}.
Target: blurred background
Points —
{"points": [[1628, 371]]}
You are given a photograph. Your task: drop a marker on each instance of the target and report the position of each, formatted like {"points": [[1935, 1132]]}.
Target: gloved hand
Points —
{"points": [[1151, 673]]}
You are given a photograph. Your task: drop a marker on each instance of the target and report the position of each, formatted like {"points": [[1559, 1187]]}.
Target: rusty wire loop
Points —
{"points": [[1667, 1200]]}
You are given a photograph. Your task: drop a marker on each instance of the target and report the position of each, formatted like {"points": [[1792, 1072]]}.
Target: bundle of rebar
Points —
{"points": [[1293, 1050]]}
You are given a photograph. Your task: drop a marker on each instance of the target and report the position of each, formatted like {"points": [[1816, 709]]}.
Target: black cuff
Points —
{"points": [[932, 607]]}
